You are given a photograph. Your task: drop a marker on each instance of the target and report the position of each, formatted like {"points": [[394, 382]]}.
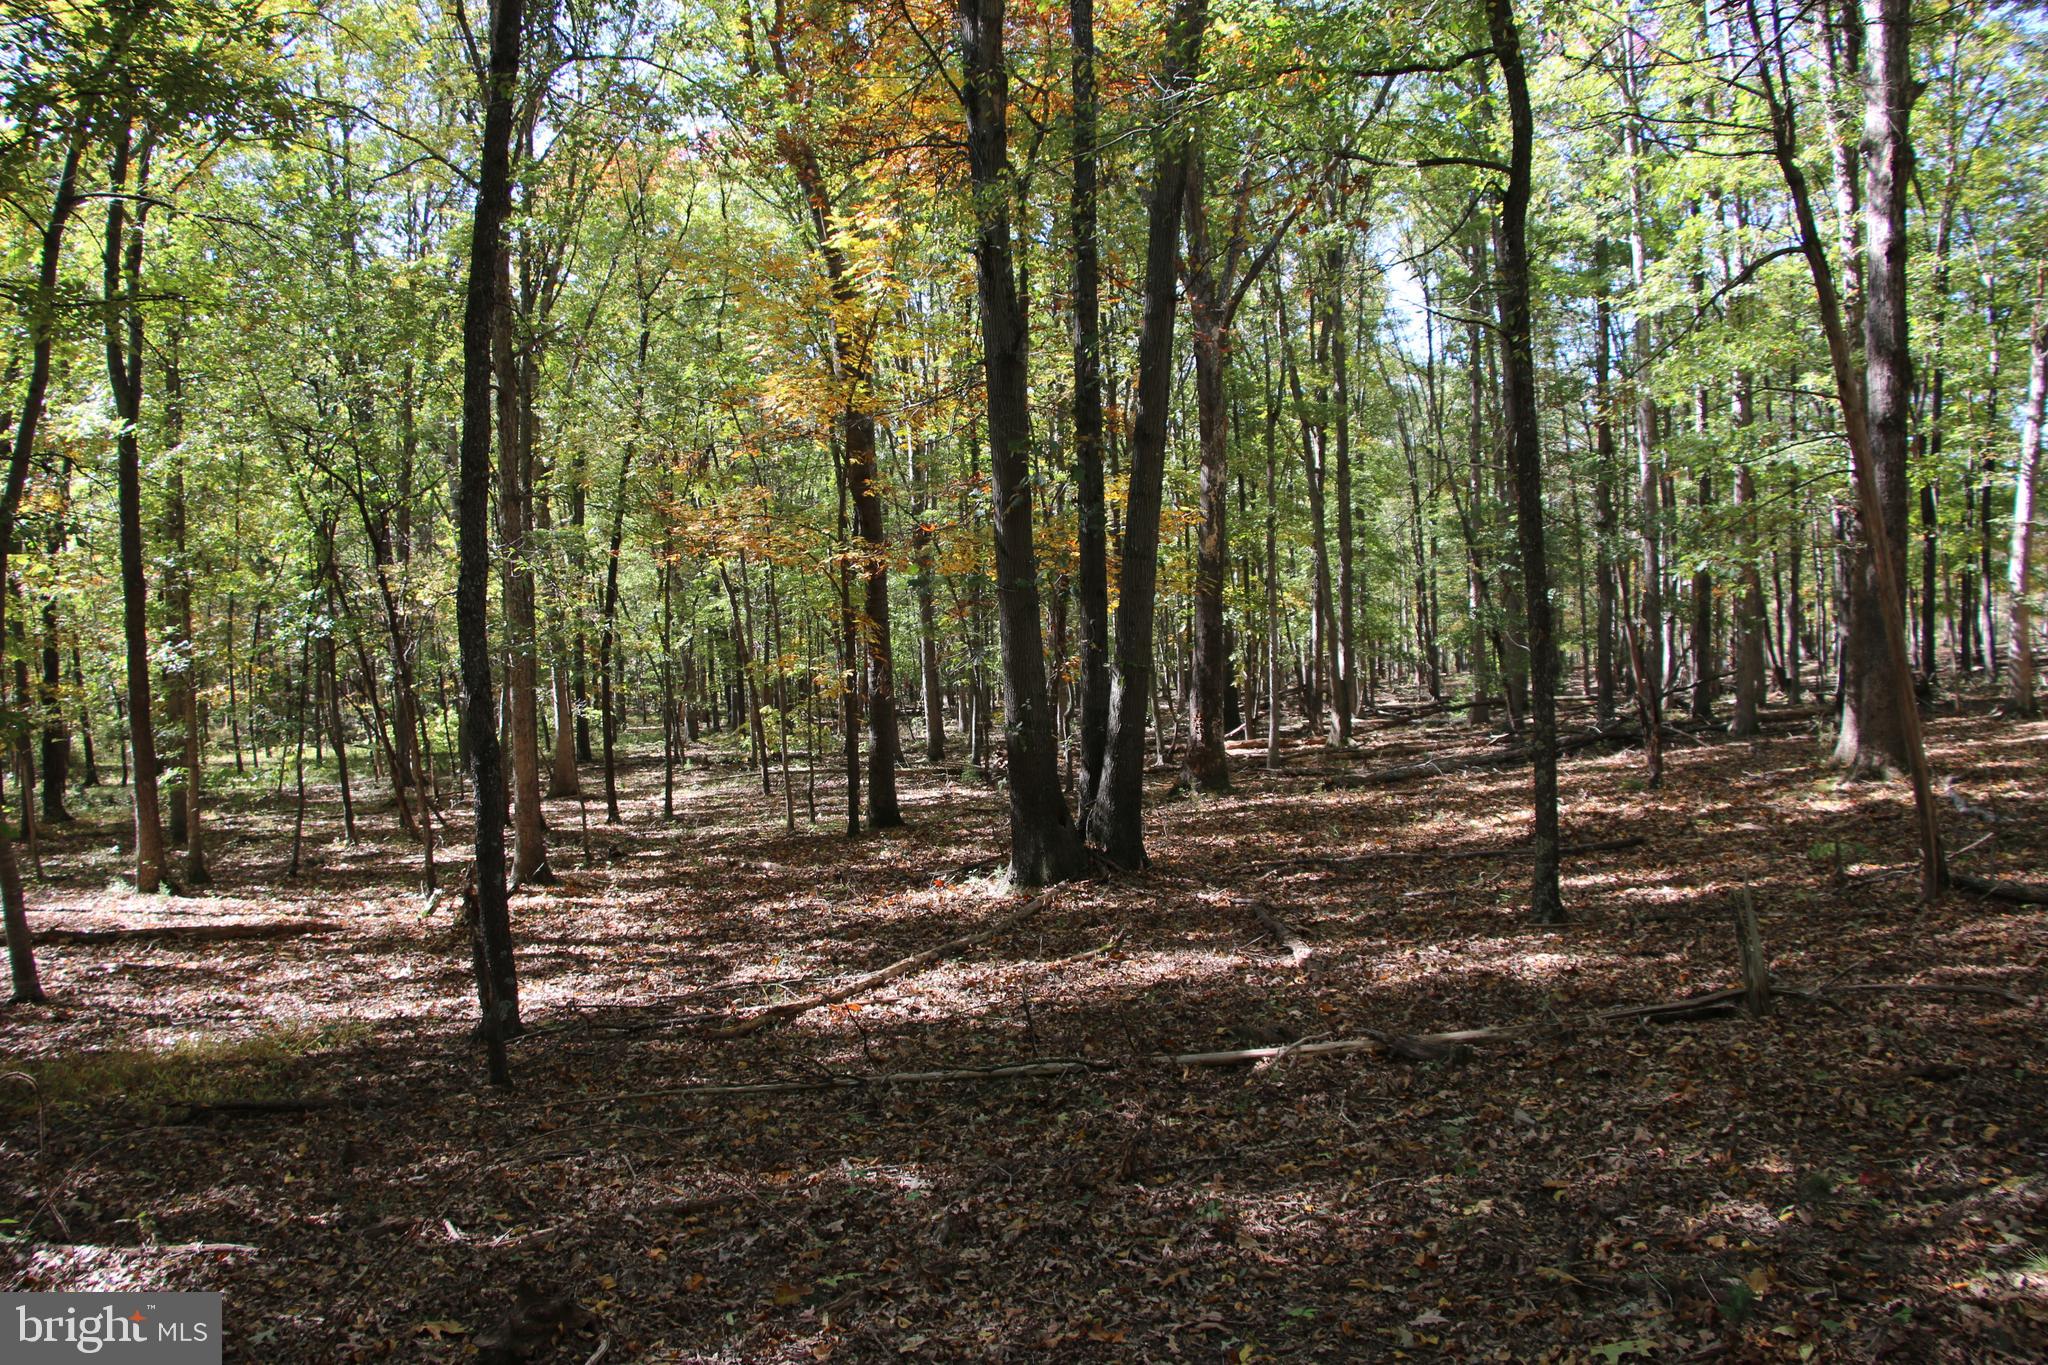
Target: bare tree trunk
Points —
{"points": [[931, 675], [529, 847], [1206, 766], [1116, 820], [1525, 454], [1850, 392], [1091, 583], [2019, 559], [1872, 736], [1044, 846], [497, 982], [1750, 625], [124, 347]]}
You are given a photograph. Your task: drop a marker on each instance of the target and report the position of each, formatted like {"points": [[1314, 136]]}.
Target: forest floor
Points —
{"points": [[1859, 1175]]}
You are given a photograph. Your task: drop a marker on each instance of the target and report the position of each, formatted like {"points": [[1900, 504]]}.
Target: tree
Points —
{"points": [[2020, 557], [1525, 456], [1116, 820], [490, 912], [1044, 846]]}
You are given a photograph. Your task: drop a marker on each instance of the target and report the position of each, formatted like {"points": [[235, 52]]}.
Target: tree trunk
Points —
{"points": [[529, 847], [1604, 516], [497, 983], [2019, 559], [1044, 846], [1091, 582], [930, 673], [1206, 766], [884, 740], [1525, 456], [1872, 737], [1116, 820], [1849, 391], [124, 347], [1750, 624]]}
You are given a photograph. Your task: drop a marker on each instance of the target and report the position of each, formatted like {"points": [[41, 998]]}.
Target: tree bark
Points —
{"points": [[1091, 581], [497, 982], [1206, 767], [1044, 846], [1849, 391], [2019, 559], [529, 833], [1525, 456], [1872, 737], [124, 348], [1116, 820]]}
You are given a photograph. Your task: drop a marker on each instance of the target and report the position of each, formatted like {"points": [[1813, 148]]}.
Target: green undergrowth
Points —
{"points": [[197, 1069]]}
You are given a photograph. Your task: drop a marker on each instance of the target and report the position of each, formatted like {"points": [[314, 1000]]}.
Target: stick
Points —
{"points": [[175, 1249], [780, 1014]]}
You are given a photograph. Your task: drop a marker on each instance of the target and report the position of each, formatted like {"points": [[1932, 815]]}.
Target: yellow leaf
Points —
{"points": [[443, 1327]]}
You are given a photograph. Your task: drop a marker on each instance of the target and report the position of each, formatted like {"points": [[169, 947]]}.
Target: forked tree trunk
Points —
{"points": [[1044, 846], [1855, 420], [1116, 820]]}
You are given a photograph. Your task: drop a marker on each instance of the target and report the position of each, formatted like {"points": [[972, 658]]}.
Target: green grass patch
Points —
{"points": [[204, 1068]]}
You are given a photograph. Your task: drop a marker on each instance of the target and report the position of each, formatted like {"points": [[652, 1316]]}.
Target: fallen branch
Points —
{"points": [[1932, 988], [1446, 855], [189, 933], [1116, 941], [782, 1014], [1297, 949], [1424, 1047], [173, 1249], [1686, 1007]]}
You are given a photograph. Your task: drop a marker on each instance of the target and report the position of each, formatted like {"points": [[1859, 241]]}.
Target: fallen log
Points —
{"points": [[782, 1014], [189, 933], [2022, 893], [196, 1110]]}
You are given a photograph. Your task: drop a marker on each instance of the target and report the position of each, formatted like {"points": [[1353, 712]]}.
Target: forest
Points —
{"points": [[1254, 680]]}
